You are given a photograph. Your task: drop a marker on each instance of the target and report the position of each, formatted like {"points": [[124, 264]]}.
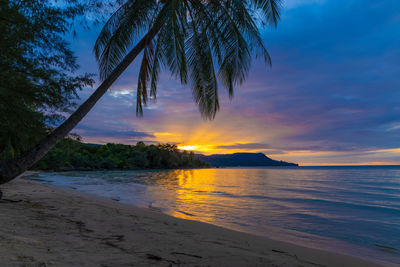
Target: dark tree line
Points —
{"points": [[72, 154]]}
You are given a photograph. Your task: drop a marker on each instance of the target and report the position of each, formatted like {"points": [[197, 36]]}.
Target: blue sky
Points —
{"points": [[331, 97]]}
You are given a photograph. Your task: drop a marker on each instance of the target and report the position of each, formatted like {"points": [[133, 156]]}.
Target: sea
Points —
{"points": [[348, 210]]}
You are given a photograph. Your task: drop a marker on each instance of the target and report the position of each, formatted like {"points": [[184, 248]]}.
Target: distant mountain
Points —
{"points": [[242, 159]]}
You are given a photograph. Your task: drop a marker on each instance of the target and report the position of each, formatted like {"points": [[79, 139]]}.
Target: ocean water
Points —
{"points": [[350, 210]]}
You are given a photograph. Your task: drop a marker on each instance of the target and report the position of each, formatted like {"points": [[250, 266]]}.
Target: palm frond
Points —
{"points": [[270, 9], [128, 23], [202, 72], [236, 60], [174, 41], [195, 40], [155, 68], [144, 75], [249, 29]]}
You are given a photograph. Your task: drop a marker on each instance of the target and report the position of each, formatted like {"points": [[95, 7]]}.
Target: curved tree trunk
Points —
{"points": [[10, 169]]}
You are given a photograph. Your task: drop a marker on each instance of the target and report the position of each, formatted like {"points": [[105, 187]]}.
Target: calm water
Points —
{"points": [[352, 210]]}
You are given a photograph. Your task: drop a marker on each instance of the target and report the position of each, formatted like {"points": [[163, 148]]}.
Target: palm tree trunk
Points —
{"points": [[10, 169]]}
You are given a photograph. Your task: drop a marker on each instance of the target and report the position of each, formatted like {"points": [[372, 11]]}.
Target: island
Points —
{"points": [[243, 160]]}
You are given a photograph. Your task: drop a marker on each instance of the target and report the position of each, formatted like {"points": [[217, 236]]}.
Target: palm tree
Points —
{"points": [[204, 43]]}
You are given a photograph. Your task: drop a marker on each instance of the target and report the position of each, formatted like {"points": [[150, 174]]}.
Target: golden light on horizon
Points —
{"points": [[189, 148], [220, 137], [198, 148], [390, 150]]}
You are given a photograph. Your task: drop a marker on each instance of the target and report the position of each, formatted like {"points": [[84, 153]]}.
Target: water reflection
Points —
{"points": [[210, 195], [192, 193]]}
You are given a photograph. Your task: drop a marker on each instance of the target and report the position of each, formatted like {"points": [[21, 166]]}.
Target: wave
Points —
{"points": [[327, 202]]}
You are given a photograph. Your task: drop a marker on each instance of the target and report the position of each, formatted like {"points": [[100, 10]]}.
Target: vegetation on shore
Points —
{"points": [[72, 154], [38, 84]]}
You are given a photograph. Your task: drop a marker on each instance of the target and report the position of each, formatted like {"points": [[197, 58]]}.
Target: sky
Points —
{"points": [[332, 96]]}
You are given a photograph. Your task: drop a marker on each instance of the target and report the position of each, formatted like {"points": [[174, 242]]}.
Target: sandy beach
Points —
{"points": [[47, 226]]}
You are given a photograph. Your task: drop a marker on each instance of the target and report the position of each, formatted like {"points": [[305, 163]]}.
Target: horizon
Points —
{"points": [[368, 164], [330, 98]]}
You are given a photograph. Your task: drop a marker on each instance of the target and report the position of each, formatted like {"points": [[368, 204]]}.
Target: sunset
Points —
{"points": [[215, 133], [330, 97]]}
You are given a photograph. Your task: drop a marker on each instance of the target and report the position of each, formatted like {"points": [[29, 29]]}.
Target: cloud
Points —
{"points": [[273, 152], [289, 4], [249, 146], [122, 92], [90, 132]]}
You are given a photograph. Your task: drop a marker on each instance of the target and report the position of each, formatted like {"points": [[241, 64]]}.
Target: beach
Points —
{"points": [[43, 225]]}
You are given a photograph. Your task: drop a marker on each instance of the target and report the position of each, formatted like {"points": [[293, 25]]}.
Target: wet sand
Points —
{"points": [[42, 225]]}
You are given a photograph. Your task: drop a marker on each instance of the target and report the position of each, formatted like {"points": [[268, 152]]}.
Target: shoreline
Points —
{"points": [[60, 227]]}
